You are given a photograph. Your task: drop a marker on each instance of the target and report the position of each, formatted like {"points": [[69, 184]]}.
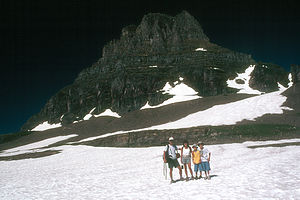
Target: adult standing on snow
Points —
{"points": [[186, 152], [171, 158]]}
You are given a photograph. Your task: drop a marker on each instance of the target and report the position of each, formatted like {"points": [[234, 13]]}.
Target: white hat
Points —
{"points": [[171, 138]]}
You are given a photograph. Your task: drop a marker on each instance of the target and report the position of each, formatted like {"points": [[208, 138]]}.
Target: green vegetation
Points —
{"points": [[12, 136]]}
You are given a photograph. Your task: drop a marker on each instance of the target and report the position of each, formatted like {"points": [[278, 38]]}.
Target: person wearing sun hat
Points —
{"points": [[205, 159], [171, 158], [196, 156]]}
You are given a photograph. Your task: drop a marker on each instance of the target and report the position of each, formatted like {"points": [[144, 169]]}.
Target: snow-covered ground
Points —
{"points": [[225, 114], [109, 113], [45, 126], [36, 146], [290, 84], [243, 88], [84, 172], [200, 49], [89, 115], [180, 91]]}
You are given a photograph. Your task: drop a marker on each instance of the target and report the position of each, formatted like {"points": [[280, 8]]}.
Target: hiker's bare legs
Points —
{"points": [[171, 174], [180, 171], [185, 169], [190, 168], [206, 174]]}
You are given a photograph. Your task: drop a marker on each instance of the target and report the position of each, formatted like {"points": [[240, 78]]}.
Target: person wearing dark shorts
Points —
{"points": [[173, 163], [171, 159]]}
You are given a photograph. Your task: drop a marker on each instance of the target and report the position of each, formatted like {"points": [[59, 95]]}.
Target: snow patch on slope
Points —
{"points": [[225, 114], [30, 148], [290, 84], [45, 126], [200, 49], [243, 88], [181, 92], [89, 115], [109, 113]]}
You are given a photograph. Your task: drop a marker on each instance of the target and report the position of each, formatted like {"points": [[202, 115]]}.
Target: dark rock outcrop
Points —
{"points": [[123, 79], [266, 76], [295, 70]]}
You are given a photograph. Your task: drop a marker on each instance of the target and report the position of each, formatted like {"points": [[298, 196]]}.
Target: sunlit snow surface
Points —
{"points": [[290, 84], [109, 113], [224, 114], [200, 49], [45, 126], [243, 88], [181, 92], [89, 115], [35, 147], [83, 172]]}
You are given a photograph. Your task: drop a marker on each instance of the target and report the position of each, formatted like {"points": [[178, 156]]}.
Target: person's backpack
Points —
{"points": [[167, 154]]}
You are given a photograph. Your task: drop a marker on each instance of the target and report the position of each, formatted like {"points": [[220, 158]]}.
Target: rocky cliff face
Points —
{"points": [[266, 76], [136, 67], [295, 70]]}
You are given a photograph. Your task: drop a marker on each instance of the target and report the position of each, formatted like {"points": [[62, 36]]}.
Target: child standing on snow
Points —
{"points": [[196, 160], [205, 159]]}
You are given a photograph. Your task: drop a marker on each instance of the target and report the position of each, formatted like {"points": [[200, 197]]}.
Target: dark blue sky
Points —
{"points": [[45, 44]]}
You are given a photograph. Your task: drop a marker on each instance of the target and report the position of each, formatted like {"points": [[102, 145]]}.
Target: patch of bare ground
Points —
{"points": [[276, 145], [30, 155]]}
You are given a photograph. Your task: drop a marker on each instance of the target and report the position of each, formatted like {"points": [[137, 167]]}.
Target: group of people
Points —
{"points": [[198, 154]]}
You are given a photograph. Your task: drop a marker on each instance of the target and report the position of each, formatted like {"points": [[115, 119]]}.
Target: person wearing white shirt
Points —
{"points": [[171, 158], [186, 152], [205, 160]]}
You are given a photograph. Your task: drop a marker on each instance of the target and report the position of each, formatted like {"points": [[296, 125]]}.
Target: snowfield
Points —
{"points": [[224, 114], [36, 146], [84, 172]]}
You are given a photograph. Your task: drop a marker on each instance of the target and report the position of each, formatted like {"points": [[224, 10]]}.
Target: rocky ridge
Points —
{"points": [[134, 69]]}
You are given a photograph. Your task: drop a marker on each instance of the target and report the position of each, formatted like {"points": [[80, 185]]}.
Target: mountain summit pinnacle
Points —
{"points": [[157, 33]]}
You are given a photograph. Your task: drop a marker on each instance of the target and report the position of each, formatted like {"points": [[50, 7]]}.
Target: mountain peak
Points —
{"points": [[134, 69], [157, 34]]}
